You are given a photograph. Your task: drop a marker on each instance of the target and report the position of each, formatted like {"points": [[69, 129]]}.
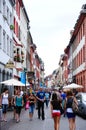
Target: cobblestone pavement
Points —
{"points": [[37, 124]]}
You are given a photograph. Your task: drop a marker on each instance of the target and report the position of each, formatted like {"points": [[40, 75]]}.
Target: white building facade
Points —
{"points": [[6, 38]]}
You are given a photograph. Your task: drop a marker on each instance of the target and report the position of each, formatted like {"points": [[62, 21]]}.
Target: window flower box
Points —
{"points": [[17, 58]]}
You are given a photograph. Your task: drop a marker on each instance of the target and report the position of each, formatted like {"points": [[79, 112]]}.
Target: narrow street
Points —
{"points": [[37, 124]]}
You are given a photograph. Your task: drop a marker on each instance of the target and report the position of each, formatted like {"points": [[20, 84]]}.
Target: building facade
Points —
{"points": [[76, 52], [6, 39], [16, 44]]}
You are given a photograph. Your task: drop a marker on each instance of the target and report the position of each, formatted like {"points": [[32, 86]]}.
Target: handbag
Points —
{"points": [[27, 105], [75, 107]]}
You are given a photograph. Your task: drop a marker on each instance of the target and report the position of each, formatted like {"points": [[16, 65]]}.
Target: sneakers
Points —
{"points": [[1, 120], [30, 119], [17, 121], [5, 120], [43, 118], [38, 117]]}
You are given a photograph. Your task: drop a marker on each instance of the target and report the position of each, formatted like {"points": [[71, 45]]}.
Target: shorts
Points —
{"points": [[4, 108], [31, 108], [56, 113], [18, 109], [71, 115]]}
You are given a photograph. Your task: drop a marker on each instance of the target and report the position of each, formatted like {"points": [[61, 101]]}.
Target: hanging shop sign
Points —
{"points": [[10, 64]]}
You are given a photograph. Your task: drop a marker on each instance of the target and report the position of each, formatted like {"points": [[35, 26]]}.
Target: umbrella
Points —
{"points": [[72, 86], [12, 82], [27, 84]]}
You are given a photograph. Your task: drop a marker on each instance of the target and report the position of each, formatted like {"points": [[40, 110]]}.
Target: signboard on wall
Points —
{"points": [[23, 77], [10, 64]]}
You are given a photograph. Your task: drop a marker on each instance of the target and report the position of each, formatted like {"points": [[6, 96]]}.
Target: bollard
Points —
{"points": [[0, 117]]}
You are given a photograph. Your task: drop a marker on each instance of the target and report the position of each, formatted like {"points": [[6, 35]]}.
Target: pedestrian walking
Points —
{"points": [[63, 96], [25, 98], [70, 114], [5, 103], [13, 104], [41, 98], [32, 101], [55, 106], [47, 97], [0, 110], [18, 104]]}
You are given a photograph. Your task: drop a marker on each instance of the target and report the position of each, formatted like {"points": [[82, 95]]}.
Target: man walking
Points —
{"points": [[41, 98]]}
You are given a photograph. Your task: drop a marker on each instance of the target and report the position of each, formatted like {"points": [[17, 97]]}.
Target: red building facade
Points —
{"points": [[76, 51]]}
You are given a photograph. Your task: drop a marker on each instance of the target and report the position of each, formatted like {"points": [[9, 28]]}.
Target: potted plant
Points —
{"points": [[11, 27], [18, 58]]}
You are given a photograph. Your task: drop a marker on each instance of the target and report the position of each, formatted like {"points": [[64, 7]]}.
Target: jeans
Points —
{"points": [[41, 110], [4, 108], [46, 102]]}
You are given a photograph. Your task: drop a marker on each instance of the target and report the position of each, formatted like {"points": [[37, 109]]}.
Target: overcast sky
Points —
{"points": [[50, 25]]}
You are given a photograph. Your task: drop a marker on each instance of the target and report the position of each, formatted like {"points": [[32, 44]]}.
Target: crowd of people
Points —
{"points": [[27, 100], [55, 100]]}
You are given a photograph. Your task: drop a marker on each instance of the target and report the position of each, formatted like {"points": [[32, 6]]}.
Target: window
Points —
{"points": [[10, 18], [0, 37], [17, 29], [0, 75], [81, 56], [15, 25], [4, 40], [83, 29], [8, 15], [84, 53], [11, 48], [19, 33], [3, 75], [7, 44], [17, 6], [4, 6], [0, 5]]}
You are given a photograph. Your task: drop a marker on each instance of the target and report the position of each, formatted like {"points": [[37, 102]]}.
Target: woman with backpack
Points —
{"points": [[69, 111]]}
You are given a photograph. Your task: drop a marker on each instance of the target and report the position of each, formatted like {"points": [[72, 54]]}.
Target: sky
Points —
{"points": [[50, 24]]}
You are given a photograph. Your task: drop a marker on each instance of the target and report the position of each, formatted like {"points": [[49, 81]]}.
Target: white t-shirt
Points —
{"points": [[69, 110], [5, 98], [22, 93]]}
